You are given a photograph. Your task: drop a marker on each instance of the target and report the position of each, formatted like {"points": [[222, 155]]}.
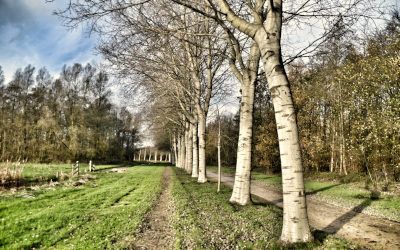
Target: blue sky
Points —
{"points": [[31, 34]]}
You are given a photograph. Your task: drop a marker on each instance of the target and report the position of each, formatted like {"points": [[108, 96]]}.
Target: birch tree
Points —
{"points": [[246, 74]]}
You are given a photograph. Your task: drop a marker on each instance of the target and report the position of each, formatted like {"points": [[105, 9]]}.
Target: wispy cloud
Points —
{"points": [[30, 34]]}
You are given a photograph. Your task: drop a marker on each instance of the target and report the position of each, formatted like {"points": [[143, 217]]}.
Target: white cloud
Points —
{"points": [[32, 35]]}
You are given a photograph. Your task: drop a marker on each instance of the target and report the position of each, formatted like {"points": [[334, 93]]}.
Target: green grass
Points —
{"points": [[344, 194], [206, 220], [99, 214], [37, 172]]}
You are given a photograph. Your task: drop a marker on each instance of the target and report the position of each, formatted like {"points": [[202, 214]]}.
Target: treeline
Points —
{"points": [[70, 118], [348, 111]]}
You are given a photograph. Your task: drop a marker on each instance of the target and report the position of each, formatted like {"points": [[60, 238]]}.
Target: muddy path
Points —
{"points": [[365, 230], [156, 231]]}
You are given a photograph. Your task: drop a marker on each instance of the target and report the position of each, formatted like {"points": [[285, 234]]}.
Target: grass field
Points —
{"points": [[336, 192], [103, 210], [206, 220], [99, 210]]}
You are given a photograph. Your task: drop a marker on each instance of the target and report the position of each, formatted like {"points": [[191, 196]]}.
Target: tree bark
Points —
{"points": [[332, 164], [189, 149], [182, 151], [3, 150], [176, 161], [241, 187], [179, 152], [185, 142], [295, 221], [219, 153], [195, 170], [202, 147]]}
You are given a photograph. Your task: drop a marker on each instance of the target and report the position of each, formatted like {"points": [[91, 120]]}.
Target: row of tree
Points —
{"points": [[183, 55], [43, 119]]}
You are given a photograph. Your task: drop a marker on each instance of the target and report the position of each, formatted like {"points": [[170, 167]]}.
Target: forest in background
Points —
{"points": [[47, 119]]}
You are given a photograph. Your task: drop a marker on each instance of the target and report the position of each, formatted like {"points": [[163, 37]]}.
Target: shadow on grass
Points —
{"points": [[124, 165], [320, 236], [339, 222], [334, 226], [322, 189], [264, 177], [259, 201], [28, 182]]}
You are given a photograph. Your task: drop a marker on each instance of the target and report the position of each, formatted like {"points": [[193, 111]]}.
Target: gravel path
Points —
{"points": [[368, 231]]}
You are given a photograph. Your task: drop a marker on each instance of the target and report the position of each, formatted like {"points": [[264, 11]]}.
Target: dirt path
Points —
{"points": [[368, 231], [156, 232]]}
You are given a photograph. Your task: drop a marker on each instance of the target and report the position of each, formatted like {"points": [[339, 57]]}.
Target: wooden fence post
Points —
{"points": [[75, 168]]}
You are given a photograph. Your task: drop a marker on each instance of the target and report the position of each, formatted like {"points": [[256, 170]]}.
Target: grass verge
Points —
{"points": [[206, 220]]}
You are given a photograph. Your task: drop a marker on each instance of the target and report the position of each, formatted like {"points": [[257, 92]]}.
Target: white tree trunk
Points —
{"points": [[295, 221], [241, 187], [175, 148], [179, 152], [189, 149], [332, 164], [186, 141], [202, 147], [195, 170], [219, 153], [182, 151]]}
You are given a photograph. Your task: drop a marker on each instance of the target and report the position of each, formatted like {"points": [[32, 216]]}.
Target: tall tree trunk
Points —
{"points": [[189, 149], [332, 164], [202, 146], [344, 155], [241, 187], [3, 149], [179, 154], [186, 144], [195, 170], [182, 151], [219, 152], [175, 148], [295, 221]]}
